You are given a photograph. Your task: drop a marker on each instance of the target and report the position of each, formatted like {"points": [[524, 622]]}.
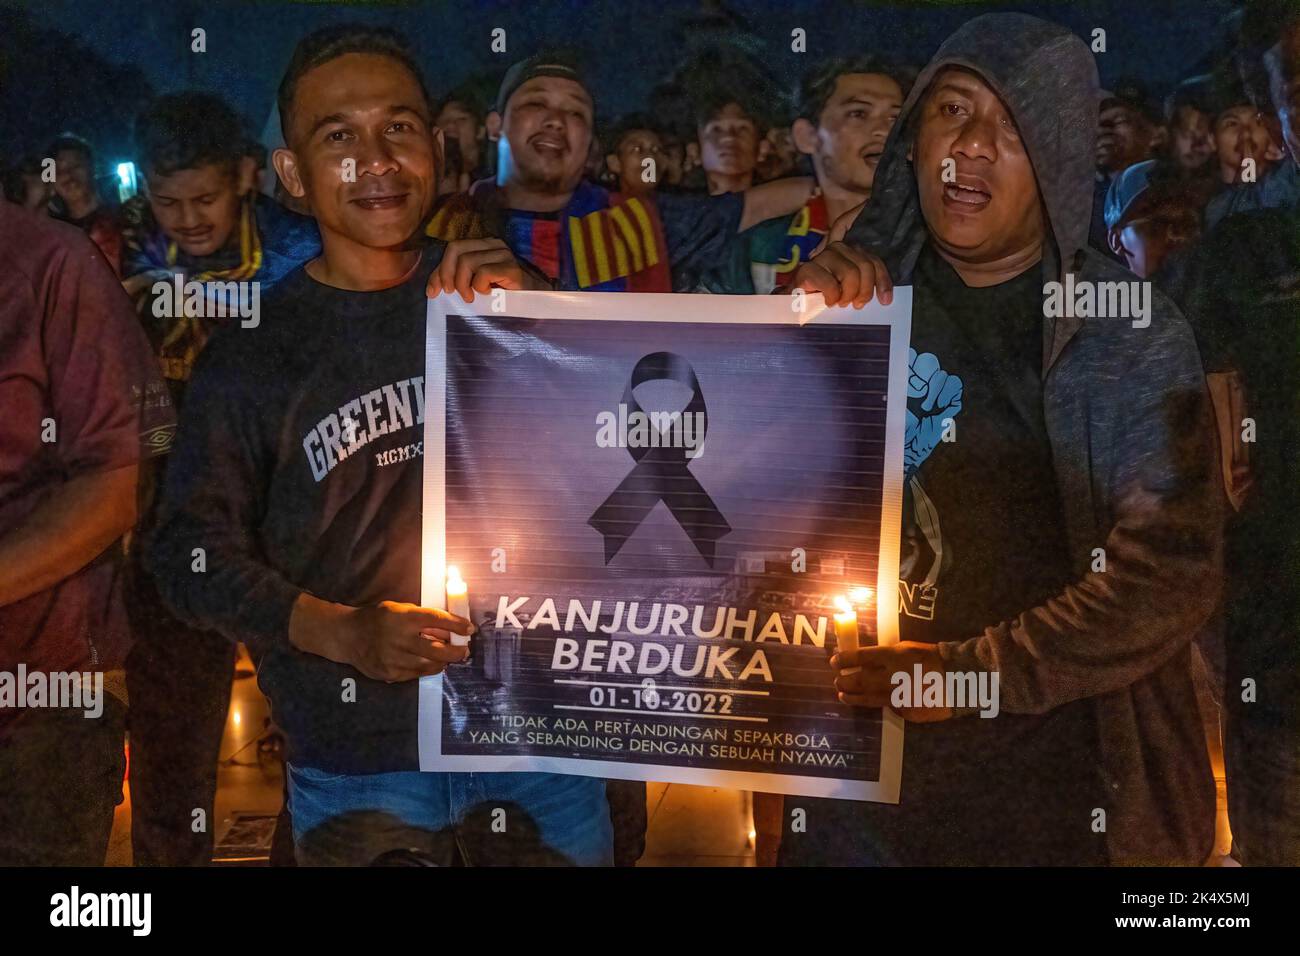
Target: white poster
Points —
{"points": [[659, 504]]}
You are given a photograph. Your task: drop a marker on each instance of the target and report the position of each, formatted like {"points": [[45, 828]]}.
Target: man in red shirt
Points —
{"points": [[83, 404]]}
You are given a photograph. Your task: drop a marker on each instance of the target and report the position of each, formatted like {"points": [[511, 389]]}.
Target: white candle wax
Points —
{"points": [[457, 602], [846, 631]]}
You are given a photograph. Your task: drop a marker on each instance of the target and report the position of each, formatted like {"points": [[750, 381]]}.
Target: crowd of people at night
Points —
{"points": [[157, 510]]}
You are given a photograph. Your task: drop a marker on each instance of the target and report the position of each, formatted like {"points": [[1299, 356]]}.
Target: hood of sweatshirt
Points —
{"points": [[1046, 77]]}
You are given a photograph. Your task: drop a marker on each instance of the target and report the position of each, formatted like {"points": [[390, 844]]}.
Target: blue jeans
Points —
{"points": [[475, 819]]}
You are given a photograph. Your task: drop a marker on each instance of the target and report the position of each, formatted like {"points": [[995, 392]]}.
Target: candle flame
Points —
{"points": [[842, 604], [454, 581]]}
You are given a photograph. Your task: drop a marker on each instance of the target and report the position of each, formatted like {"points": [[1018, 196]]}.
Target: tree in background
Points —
{"points": [[51, 82]]}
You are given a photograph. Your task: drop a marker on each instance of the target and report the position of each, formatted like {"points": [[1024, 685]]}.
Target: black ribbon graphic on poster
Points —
{"points": [[662, 471]]}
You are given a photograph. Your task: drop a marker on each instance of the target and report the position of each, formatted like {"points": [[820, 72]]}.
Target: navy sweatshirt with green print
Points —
{"points": [[298, 468]]}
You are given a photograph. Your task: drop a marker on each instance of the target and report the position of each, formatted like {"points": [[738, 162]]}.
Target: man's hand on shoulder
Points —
{"points": [[477, 265]]}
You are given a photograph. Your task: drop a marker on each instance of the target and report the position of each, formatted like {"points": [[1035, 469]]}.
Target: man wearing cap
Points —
{"points": [[1148, 216], [583, 236]]}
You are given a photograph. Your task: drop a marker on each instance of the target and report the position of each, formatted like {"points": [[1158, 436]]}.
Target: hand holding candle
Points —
{"points": [[457, 602]]}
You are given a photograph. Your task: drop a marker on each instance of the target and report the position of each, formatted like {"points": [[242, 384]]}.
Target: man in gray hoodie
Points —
{"points": [[1061, 515]]}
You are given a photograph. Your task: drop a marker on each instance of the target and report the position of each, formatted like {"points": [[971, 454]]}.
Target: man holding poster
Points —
{"points": [[290, 517], [579, 234], [1060, 537]]}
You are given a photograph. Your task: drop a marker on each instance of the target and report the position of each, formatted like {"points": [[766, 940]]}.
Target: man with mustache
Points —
{"points": [[579, 234], [298, 479], [846, 110], [1061, 518]]}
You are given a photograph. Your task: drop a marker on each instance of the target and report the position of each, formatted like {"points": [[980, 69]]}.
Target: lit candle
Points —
{"points": [[846, 630], [457, 602]]}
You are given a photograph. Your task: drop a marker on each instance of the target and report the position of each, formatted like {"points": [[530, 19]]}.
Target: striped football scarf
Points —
{"points": [[601, 242], [250, 250], [808, 227], [178, 339]]}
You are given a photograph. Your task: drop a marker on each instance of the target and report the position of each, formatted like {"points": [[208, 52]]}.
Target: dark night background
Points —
{"points": [[88, 65]]}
